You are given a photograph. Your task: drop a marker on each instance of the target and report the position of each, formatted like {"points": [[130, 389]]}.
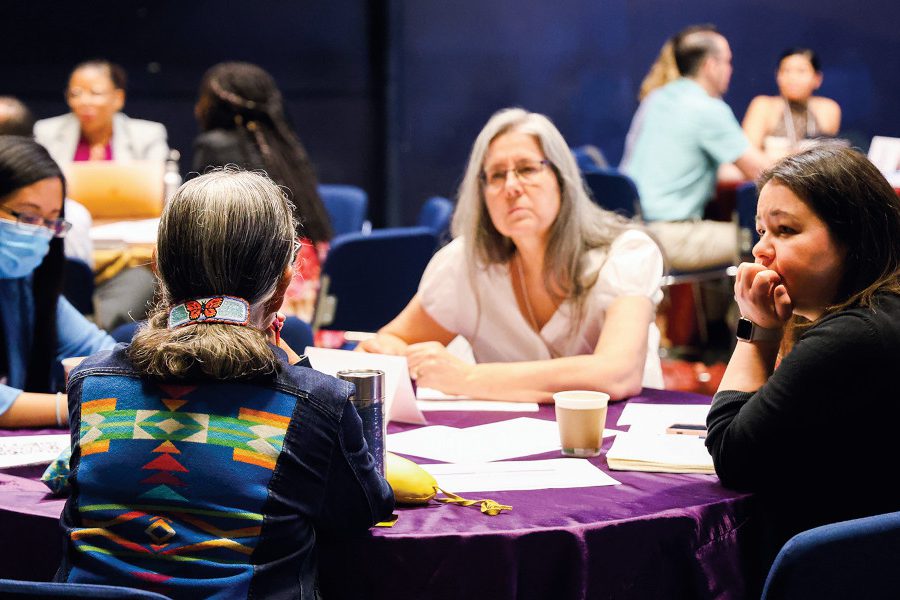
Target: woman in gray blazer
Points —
{"points": [[96, 129]]}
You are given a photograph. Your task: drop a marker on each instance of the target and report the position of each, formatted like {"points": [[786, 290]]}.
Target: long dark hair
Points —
{"points": [[230, 233], [243, 97], [861, 211], [22, 163]]}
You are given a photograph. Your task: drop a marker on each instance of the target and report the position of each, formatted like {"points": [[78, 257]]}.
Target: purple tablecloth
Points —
{"points": [[654, 536]]}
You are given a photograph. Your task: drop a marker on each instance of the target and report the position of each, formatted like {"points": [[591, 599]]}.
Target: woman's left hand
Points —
{"points": [[433, 366]]}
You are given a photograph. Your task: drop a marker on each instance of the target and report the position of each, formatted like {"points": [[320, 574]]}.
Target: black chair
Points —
{"points": [[851, 559], [368, 279], [615, 191], [78, 285], [42, 590], [346, 205]]}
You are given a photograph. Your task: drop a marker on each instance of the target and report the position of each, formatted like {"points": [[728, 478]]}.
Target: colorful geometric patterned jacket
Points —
{"points": [[212, 490]]}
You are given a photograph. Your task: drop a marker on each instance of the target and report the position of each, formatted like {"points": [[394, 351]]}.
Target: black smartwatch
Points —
{"points": [[749, 331]]}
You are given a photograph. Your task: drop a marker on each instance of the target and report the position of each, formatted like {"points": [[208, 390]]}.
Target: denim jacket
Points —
{"points": [[212, 489]]}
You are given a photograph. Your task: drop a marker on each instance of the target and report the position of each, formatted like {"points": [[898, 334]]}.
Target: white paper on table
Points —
{"points": [[518, 475], [655, 418], [131, 232], [450, 403], [660, 452], [512, 438], [431, 399], [23, 450], [400, 402]]}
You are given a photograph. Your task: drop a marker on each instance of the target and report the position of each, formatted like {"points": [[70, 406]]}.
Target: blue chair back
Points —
{"points": [[589, 158], [368, 279], [851, 559], [125, 331], [78, 285], [297, 333], [615, 191], [41, 590], [436, 214], [746, 198], [347, 206]]}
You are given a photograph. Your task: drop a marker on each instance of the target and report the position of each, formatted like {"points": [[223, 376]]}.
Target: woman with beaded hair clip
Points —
{"points": [[208, 420], [241, 115]]}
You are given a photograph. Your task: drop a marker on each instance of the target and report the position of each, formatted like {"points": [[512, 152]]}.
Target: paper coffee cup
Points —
{"points": [[581, 416]]}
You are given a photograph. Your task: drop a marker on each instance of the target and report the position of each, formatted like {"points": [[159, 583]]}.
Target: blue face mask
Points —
{"points": [[22, 248]]}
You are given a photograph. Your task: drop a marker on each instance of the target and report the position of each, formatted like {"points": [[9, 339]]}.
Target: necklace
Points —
{"points": [[532, 320]]}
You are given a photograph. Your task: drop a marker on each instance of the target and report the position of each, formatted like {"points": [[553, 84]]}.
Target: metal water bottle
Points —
{"points": [[369, 403]]}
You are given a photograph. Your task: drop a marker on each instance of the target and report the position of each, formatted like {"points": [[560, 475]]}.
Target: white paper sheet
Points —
{"points": [[667, 453], [23, 450], [129, 232], [400, 402], [523, 436], [477, 406], [513, 438], [519, 475], [650, 419]]}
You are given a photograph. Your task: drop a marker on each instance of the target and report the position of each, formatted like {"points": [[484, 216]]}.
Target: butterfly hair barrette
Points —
{"points": [[215, 309]]}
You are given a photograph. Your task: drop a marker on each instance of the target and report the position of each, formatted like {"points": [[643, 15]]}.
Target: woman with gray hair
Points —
{"points": [[205, 462], [551, 291]]}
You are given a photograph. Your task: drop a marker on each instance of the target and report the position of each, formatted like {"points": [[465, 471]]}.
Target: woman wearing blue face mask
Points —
{"points": [[39, 327]]}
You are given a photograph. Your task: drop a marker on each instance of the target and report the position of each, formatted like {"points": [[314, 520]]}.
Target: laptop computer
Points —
{"points": [[117, 190]]}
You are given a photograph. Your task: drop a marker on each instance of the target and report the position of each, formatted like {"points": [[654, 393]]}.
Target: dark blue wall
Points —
{"points": [[389, 94]]}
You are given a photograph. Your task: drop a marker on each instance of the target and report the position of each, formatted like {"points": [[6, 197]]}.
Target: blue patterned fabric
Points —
{"points": [[214, 489]]}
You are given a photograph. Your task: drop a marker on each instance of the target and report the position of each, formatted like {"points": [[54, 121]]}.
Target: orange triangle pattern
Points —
{"points": [[167, 446], [172, 404], [165, 463]]}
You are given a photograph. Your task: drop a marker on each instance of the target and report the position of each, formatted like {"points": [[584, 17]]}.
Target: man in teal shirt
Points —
{"points": [[680, 135]]}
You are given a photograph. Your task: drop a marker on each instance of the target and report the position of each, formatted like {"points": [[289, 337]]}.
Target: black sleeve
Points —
{"points": [[787, 426], [357, 495]]}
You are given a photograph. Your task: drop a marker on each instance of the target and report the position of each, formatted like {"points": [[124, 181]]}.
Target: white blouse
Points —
{"points": [[481, 306]]}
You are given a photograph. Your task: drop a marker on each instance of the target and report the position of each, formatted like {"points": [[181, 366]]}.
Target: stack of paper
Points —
{"points": [[24, 450], [661, 453]]}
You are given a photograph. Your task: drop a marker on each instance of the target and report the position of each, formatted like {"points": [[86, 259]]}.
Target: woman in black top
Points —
{"points": [[814, 433], [241, 115]]}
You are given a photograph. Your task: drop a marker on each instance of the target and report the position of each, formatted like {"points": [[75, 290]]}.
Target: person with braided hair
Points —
{"points": [[241, 116]]}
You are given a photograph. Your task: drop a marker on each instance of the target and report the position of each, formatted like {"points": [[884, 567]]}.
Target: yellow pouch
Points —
{"points": [[411, 483], [414, 485]]}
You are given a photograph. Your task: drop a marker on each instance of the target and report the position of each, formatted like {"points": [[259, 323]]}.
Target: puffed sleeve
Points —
{"points": [[634, 267], [445, 287]]}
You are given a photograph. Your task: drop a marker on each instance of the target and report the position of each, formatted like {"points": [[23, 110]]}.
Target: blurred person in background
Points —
{"points": [[241, 115], [96, 129], [779, 124]]}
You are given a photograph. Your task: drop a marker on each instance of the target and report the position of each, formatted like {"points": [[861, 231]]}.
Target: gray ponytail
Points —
{"points": [[226, 232]]}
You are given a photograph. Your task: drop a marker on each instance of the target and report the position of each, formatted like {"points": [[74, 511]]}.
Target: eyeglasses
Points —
{"points": [[77, 94], [59, 227], [526, 172]]}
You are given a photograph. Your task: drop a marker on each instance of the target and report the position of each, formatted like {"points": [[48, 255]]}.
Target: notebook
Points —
{"points": [[117, 190]]}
